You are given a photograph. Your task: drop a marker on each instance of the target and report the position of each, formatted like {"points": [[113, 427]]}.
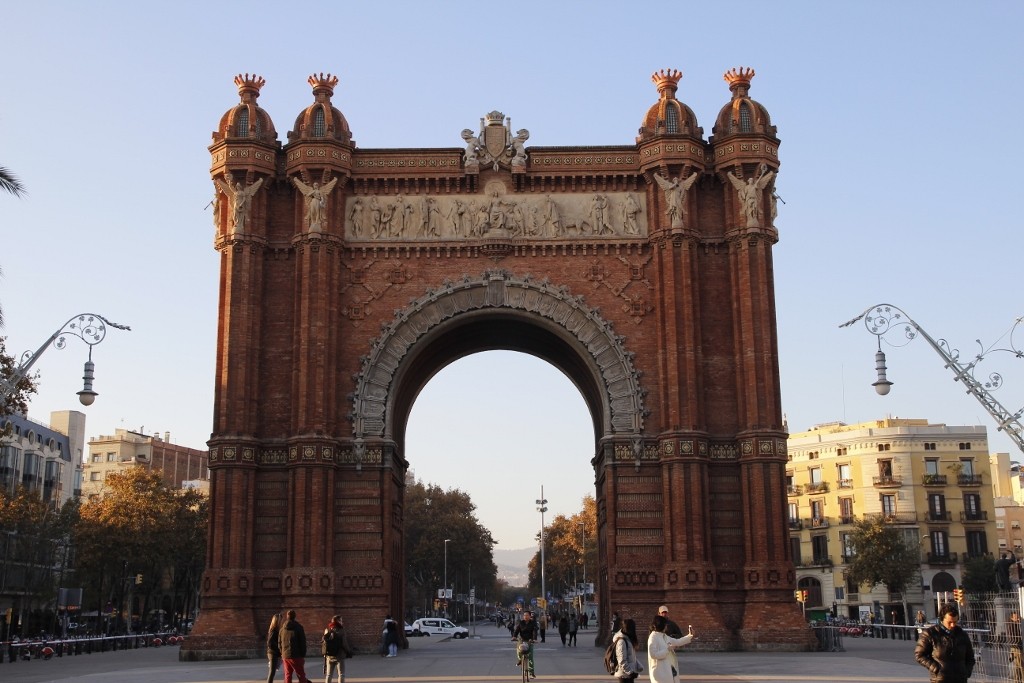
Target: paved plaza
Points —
{"points": [[488, 657]]}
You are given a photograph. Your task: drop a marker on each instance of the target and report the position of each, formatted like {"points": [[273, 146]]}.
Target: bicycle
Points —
{"points": [[524, 651]]}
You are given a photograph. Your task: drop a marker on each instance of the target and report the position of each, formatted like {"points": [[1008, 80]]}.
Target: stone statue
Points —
{"points": [[599, 215], [519, 147], [239, 200], [316, 202], [472, 147], [675, 197], [356, 217], [630, 215], [750, 193], [376, 216], [551, 218]]}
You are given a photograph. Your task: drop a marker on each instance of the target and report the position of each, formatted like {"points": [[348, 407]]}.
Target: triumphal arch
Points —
{"points": [[350, 276]]}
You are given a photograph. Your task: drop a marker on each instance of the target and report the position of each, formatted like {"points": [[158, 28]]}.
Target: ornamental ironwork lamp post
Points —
{"points": [[90, 328], [882, 319]]}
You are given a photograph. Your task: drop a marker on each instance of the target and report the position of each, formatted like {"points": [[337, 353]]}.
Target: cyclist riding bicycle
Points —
{"points": [[526, 633]]}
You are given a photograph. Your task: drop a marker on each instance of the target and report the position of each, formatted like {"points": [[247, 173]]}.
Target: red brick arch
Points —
{"points": [[643, 271]]}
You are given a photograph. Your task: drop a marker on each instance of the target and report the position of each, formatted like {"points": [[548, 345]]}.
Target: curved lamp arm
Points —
{"points": [[884, 318]]}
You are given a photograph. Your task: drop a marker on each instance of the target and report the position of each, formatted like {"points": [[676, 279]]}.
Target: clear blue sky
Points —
{"points": [[899, 127]]}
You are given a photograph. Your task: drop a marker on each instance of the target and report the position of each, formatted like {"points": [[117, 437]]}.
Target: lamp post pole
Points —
{"points": [[542, 504], [583, 546], [883, 318], [446, 542], [90, 328]]}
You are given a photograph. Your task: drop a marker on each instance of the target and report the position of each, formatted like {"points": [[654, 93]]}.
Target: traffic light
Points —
{"points": [[958, 595], [803, 596], [138, 579], [800, 595]]}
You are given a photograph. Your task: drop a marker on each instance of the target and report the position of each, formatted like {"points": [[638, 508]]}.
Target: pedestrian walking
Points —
{"points": [[292, 641], [945, 650], [389, 638], [563, 628], [335, 649], [273, 647], [625, 641], [542, 624], [574, 626]]}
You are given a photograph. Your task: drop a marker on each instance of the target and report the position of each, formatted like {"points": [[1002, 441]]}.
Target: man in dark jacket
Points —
{"points": [[292, 639], [335, 648], [945, 650]]}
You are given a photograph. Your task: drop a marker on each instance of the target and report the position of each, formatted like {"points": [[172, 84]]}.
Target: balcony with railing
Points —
{"points": [[817, 487], [968, 479], [846, 483], [818, 522], [794, 490], [900, 518], [822, 561], [932, 516], [795, 525], [847, 519], [941, 559], [847, 559], [933, 479], [975, 516], [887, 481]]}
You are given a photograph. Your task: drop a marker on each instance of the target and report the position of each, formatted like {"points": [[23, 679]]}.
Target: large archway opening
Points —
{"points": [[498, 426]]}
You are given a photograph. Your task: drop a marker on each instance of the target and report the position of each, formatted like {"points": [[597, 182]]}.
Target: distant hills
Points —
{"points": [[513, 565]]}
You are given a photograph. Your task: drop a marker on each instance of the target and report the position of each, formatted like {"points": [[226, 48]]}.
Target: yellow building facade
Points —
{"points": [[931, 481]]}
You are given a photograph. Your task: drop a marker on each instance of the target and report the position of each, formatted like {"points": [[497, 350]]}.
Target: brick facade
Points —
{"points": [[335, 310]]}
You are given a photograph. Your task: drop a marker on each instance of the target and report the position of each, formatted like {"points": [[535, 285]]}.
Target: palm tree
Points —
{"points": [[9, 182]]}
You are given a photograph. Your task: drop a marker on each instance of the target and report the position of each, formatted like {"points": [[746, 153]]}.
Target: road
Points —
{"points": [[489, 658]]}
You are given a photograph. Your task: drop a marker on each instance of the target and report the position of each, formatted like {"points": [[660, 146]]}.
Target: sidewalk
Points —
{"points": [[489, 658]]}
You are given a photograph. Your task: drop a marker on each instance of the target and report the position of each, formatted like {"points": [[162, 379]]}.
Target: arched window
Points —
{"points": [[671, 119], [242, 127], [746, 120], [319, 126]]}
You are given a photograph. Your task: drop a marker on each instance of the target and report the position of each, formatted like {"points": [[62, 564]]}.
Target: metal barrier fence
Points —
{"points": [[997, 645], [27, 650]]}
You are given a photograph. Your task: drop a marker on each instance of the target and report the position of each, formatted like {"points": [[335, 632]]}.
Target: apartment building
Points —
{"points": [[179, 466], [928, 480], [44, 458]]}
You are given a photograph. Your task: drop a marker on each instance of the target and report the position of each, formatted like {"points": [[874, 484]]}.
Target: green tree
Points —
{"points": [[569, 542], [979, 575], [9, 183], [141, 526], [432, 515], [882, 555], [36, 540], [14, 395]]}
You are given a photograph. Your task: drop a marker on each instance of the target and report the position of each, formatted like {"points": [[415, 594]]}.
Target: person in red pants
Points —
{"points": [[292, 639]]}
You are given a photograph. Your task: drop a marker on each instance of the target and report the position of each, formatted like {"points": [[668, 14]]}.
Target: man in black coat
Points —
{"points": [[945, 650], [292, 639]]}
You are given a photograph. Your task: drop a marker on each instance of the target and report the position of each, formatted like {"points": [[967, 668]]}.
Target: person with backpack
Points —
{"points": [[620, 657], [335, 649]]}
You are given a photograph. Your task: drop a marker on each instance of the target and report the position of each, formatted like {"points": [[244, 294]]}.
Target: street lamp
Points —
{"points": [[883, 318], [542, 503], [583, 546], [446, 542], [90, 328]]}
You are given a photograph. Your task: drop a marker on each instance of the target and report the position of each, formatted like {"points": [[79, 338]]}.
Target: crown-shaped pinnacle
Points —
{"points": [[738, 77], [249, 84], [667, 81], [323, 80]]}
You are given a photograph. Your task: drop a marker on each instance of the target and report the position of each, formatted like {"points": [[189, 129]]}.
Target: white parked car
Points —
{"points": [[438, 627]]}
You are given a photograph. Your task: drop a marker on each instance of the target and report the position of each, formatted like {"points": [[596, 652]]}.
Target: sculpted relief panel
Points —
{"points": [[496, 214]]}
